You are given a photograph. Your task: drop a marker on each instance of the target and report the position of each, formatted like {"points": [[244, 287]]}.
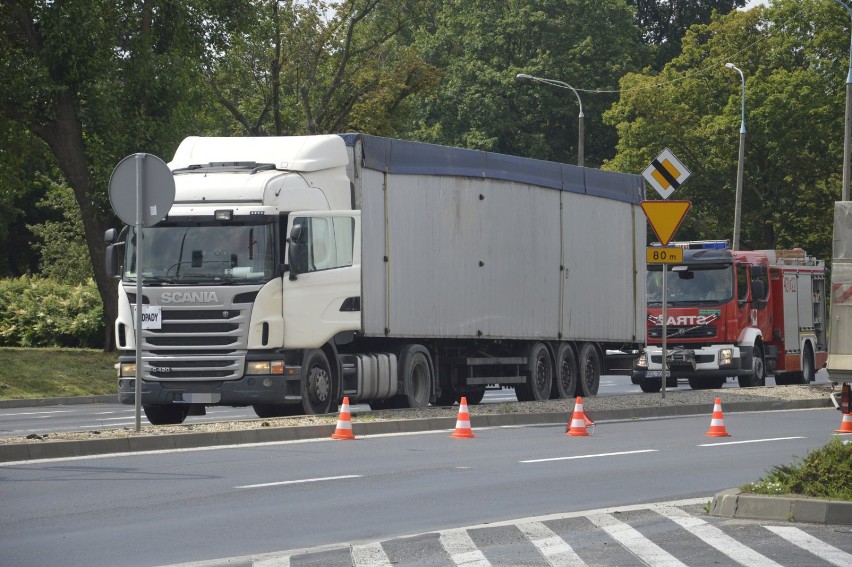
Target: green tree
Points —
{"points": [[96, 80], [316, 67], [480, 45], [792, 57]]}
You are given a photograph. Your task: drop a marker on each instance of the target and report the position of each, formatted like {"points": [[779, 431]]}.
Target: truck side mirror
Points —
{"points": [[110, 235], [758, 292], [298, 250], [113, 259]]}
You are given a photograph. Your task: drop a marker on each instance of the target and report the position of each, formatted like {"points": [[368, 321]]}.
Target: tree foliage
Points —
{"points": [[480, 46], [794, 104]]}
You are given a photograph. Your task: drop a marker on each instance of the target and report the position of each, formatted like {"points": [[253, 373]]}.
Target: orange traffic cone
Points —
{"points": [[463, 430], [845, 424], [717, 423], [577, 425], [344, 422]]}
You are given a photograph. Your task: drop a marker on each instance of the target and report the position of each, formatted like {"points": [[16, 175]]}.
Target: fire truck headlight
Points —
{"points": [[642, 361], [127, 370], [265, 367], [726, 357]]}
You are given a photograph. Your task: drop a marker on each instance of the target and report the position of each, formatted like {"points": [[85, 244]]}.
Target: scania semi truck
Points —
{"points": [[293, 271], [735, 314]]}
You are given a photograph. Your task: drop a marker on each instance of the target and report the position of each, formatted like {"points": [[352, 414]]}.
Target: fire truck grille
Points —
{"points": [[704, 332]]}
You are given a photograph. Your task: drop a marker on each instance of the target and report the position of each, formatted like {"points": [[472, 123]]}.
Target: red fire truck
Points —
{"points": [[729, 313]]}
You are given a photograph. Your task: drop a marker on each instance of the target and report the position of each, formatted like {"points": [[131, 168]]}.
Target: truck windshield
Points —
{"points": [[200, 253], [696, 285]]}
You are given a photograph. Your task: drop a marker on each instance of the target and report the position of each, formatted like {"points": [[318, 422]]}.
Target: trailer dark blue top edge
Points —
{"points": [[419, 158]]}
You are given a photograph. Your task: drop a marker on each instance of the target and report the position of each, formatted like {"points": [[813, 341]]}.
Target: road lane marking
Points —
{"points": [[369, 555], [301, 481], [749, 441], [590, 456], [714, 537], [637, 544], [554, 549], [462, 550], [36, 413], [816, 546]]}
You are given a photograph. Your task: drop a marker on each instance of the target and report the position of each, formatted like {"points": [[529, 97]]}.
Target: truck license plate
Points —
{"points": [[199, 398], [653, 374]]}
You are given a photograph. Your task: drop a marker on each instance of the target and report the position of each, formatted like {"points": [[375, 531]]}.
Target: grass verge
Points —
{"points": [[27, 373], [823, 473]]}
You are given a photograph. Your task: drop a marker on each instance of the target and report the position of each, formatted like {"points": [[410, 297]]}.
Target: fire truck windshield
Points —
{"points": [[695, 285], [203, 254]]}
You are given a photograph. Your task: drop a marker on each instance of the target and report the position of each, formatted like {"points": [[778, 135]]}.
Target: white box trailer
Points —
{"points": [[401, 273]]}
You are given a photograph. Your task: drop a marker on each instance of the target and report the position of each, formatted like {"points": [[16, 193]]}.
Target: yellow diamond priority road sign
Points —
{"points": [[665, 217], [666, 173]]}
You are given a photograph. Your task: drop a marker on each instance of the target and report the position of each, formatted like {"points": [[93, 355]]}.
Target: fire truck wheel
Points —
{"points": [[758, 370], [166, 414], [316, 383], [539, 375], [590, 371], [565, 381], [808, 367]]}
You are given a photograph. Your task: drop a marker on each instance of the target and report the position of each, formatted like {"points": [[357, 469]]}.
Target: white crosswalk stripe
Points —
{"points": [[814, 545], [715, 537], [635, 542], [551, 546], [370, 555], [462, 550]]}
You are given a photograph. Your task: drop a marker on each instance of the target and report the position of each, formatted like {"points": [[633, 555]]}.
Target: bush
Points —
{"points": [[40, 312], [824, 473]]}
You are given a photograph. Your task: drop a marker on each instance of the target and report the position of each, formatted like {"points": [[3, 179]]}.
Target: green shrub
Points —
{"points": [[823, 473], [40, 312]]}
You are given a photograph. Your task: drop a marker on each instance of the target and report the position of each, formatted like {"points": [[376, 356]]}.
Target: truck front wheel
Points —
{"points": [[166, 414], [758, 370], [317, 384]]}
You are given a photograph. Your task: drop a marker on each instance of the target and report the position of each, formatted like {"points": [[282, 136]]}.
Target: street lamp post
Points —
{"points": [[847, 130], [739, 197], [581, 135]]}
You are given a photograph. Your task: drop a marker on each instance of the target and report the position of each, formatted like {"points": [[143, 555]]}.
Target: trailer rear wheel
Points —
{"points": [[317, 394], [166, 414], [540, 379], [590, 371], [474, 397], [565, 382], [758, 370], [416, 376]]}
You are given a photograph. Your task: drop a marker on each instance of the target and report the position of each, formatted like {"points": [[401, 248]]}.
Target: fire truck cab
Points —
{"points": [[729, 313]]}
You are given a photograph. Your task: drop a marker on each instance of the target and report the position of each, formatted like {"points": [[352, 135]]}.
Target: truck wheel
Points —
{"points": [[317, 394], [565, 382], [474, 397], [785, 378], [651, 385], [166, 414], [275, 410], [705, 383], [540, 379], [590, 371], [808, 367], [758, 370], [416, 375]]}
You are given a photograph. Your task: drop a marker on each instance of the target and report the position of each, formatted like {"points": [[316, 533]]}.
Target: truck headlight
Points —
{"points": [[726, 357], [642, 361], [127, 370], [265, 367]]}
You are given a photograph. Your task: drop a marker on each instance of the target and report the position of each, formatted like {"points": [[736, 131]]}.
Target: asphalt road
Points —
{"points": [[192, 505], [23, 421]]}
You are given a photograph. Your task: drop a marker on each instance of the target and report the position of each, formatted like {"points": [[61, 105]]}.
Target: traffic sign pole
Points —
{"points": [[140, 162], [664, 362]]}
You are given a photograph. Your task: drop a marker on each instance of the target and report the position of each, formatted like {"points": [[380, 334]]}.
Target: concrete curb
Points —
{"points": [[733, 503], [91, 447]]}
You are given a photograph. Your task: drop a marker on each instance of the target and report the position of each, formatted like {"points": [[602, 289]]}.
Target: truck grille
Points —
{"points": [[705, 332], [198, 343]]}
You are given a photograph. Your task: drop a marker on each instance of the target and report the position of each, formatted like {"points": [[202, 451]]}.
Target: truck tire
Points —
{"points": [[705, 383], [275, 410], [565, 381], [808, 366], [317, 384], [415, 373], [540, 375], [758, 370], [590, 371], [172, 414], [651, 385], [474, 397]]}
